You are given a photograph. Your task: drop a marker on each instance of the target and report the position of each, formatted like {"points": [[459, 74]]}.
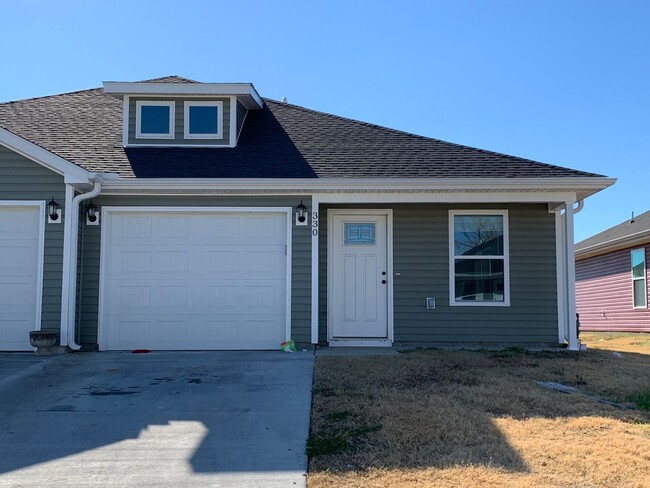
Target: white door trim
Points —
{"points": [[106, 226], [41, 251], [389, 273]]}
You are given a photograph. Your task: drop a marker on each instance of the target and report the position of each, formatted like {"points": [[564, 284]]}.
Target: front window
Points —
{"points": [[154, 120], [203, 120], [639, 287], [478, 242]]}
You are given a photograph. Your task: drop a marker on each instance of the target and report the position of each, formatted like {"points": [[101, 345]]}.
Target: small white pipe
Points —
{"points": [[72, 291]]}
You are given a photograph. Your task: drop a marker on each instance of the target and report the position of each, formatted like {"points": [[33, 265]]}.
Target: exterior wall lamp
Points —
{"points": [[53, 212], [92, 218], [301, 214]]}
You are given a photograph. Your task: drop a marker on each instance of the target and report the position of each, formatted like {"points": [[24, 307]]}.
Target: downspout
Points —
{"points": [[74, 241]]}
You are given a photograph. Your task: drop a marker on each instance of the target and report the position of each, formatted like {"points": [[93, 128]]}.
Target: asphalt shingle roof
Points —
{"points": [[279, 141], [624, 229]]}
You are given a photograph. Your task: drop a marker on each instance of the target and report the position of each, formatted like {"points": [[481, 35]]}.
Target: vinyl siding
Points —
{"points": [[604, 293], [301, 258], [23, 179], [421, 257], [241, 115], [180, 122]]}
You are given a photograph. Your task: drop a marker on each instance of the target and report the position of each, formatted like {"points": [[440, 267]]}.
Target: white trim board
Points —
{"points": [[106, 223]]}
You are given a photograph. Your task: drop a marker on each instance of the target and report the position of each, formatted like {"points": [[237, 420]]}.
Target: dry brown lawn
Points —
{"points": [[463, 419]]}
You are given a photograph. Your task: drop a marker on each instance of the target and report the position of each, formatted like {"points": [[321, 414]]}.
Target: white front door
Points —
{"points": [[21, 255], [358, 276]]}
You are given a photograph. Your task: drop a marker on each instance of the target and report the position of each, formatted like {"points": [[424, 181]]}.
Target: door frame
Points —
{"points": [[389, 273], [106, 214]]}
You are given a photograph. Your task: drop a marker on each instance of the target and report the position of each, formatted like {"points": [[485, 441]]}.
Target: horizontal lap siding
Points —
{"points": [[23, 179], [604, 293], [421, 257], [241, 115], [301, 257]]}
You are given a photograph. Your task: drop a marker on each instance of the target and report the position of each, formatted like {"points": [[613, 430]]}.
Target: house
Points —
{"points": [[173, 214], [612, 278]]}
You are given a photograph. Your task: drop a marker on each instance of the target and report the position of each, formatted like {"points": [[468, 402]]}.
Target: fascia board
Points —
{"points": [[129, 88], [72, 173], [632, 240]]}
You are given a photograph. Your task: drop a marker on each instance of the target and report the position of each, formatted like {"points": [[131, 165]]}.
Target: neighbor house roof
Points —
{"points": [[632, 232], [279, 141]]}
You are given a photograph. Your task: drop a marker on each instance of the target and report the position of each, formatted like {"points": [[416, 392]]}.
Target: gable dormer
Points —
{"points": [[183, 114]]}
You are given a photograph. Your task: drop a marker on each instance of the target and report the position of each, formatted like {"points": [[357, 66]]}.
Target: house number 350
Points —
{"points": [[314, 224]]}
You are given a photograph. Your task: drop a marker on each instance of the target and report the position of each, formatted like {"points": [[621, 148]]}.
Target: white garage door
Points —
{"points": [[194, 280], [21, 245]]}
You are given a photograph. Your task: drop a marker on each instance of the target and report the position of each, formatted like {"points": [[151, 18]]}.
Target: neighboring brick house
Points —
{"points": [[612, 278], [171, 214]]}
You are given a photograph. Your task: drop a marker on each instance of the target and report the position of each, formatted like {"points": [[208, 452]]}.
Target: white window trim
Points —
{"points": [[645, 282], [186, 128], [138, 119], [505, 257]]}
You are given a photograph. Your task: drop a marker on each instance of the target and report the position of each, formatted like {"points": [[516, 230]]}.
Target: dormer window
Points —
{"points": [[154, 120], [203, 120]]}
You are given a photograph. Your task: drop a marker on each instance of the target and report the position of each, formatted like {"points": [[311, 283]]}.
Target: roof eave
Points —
{"points": [[620, 243], [246, 91]]}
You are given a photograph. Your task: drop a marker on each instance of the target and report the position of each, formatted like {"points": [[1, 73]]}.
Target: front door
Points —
{"points": [[358, 276]]}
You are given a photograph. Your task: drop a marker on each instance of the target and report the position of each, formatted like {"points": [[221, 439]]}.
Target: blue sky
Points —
{"points": [[560, 81]]}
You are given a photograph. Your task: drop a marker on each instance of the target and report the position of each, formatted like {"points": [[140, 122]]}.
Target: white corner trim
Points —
{"points": [[314, 267], [506, 259], [171, 105], [233, 122], [70, 171], [560, 275], [125, 120], [187, 104]]}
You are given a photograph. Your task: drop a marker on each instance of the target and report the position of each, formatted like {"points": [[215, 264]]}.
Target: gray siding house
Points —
{"points": [[176, 215]]}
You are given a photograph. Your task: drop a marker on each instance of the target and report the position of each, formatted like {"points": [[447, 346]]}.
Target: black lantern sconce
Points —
{"points": [[301, 214], [53, 212], [92, 217]]}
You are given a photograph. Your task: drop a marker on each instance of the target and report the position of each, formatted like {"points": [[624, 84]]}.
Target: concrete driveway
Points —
{"points": [[208, 419]]}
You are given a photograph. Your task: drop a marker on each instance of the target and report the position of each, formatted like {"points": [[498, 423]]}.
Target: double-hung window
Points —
{"points": [[154, 120], [639, 285], [203, 120], [478, 255]]}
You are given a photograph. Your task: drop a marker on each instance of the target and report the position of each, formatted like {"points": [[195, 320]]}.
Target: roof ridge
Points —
{"points": [[426, 138]]}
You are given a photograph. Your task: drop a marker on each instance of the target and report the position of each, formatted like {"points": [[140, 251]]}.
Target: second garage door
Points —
{"points": [[194, 280]]}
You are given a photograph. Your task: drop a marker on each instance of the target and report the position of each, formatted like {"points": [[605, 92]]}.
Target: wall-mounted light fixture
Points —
{"points": [[301, 214], [53, 212], [92, 217]]}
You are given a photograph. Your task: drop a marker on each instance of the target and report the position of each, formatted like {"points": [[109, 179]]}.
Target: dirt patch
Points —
{"points": [[459, 418]]}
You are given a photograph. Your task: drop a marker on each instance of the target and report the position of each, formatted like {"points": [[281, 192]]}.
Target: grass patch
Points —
{"points": [[642, 400], [477, 418]]}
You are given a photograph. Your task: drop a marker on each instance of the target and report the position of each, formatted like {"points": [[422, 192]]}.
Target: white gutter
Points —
{"points": [[588, 184], [73, 218]]}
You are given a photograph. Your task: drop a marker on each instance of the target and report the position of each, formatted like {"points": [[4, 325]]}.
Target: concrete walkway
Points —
{"points": [[191, 419]]}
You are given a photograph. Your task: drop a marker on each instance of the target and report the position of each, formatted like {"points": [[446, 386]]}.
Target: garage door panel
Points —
{"points": [[20, 253], [196, 281]]}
